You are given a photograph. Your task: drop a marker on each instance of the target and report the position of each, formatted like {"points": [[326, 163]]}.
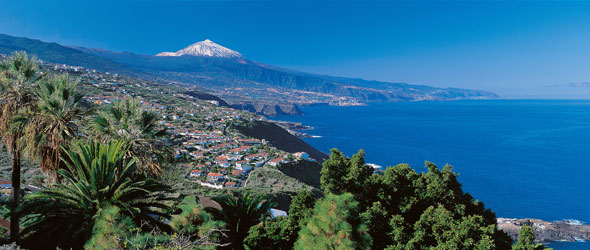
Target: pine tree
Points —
{"points": [[526, 240], [333, 172], [407, 210], [335, 225], [281, 232]]}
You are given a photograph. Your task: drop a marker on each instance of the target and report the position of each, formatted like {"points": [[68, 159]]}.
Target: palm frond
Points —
{"points": [[124, 120], [97, 176]]}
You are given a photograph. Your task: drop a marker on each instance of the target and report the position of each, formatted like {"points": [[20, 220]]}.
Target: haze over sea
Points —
{"points": [[522, 158]]}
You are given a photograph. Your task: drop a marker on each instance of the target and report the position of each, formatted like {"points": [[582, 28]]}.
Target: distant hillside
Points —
{"points": [[55, 53], [242, 83], [238, 72], [207, 97], [304, 171], [280, 138]]}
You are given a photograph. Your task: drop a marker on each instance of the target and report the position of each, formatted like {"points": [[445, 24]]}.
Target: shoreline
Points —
{"points": [[547, 231], [295, 128]]}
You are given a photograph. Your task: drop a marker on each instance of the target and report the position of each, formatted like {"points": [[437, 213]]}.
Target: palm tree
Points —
{"points": [[240, 213], [124, 120], [97, 177], [52, 123], [17, 76]]}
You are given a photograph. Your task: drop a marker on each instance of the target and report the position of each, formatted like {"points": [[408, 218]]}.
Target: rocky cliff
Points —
{"points": [[207, 97], [269, 109], [280, 138], [566, 230]]}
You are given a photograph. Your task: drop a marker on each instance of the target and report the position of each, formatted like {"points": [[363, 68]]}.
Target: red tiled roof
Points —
{"points": [[277, 159]]}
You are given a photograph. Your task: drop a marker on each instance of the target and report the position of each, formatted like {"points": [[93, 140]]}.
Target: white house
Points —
{"points": [[277, 161], [196, 173], [214, 176]]}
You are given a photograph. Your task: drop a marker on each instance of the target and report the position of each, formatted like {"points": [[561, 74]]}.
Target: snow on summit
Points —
{"points": [[204, 48]]}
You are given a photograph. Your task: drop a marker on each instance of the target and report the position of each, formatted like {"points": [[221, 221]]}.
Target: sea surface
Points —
{"points": [[522, 158]]}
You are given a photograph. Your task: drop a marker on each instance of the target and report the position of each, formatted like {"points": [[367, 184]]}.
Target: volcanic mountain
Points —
{"points": [[204, 48]]}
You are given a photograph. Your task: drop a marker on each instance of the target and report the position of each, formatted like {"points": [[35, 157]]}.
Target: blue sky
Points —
{"points": [[517, 49]]}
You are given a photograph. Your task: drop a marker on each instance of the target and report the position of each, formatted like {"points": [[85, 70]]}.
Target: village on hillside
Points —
{"points": [[200, 130]]}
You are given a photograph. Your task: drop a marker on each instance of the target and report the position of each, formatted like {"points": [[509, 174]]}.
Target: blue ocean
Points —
{"points": [[522, 158]]}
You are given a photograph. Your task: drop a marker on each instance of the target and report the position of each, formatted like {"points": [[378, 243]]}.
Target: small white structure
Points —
{"points": [[276, 213], [196, 173], [206, 184]]}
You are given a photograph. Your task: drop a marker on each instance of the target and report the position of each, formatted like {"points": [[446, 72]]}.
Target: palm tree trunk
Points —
{"points": [[14, 219]]}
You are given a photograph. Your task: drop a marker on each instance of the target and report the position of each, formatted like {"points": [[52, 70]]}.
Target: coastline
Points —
{"points": [[546, 231], [295, 128]]}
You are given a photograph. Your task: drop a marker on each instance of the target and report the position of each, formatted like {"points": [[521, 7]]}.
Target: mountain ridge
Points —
{"points": [[239, 81]]}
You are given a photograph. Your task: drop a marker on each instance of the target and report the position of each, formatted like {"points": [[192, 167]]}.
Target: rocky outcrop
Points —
{"points": [[207, 97], [566, 230], [244, 106], [269, 109], [307, 172], [290, 108]]}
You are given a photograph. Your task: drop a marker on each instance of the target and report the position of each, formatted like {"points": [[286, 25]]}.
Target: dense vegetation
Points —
{"points": [[98, 180], [106, 190]]}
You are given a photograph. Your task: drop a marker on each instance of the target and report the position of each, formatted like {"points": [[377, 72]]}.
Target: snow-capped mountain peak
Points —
{"points": [[204, 48]]}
